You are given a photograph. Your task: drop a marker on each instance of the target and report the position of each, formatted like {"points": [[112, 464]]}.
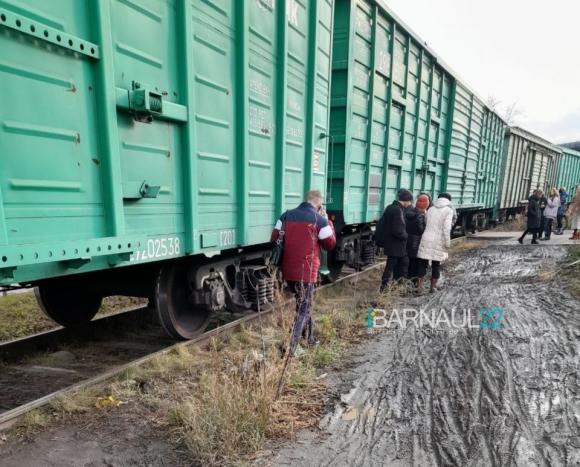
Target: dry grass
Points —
{"points": [[32, 422], [219, 401], [514, 225], [21, 316], [466, 245]]}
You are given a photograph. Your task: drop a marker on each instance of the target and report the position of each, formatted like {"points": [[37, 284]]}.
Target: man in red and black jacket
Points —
{"points": [[306, 230]]}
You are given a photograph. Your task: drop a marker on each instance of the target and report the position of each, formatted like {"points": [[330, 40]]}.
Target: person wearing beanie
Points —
{"points": [[436, 239], [391, 235], [415, 221]]}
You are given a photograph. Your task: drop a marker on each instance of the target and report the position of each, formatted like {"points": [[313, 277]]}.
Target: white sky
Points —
{"points": [[523, 51]]}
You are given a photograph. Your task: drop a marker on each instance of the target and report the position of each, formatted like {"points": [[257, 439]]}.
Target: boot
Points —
{"points": [[575, 236], [420, 282], [433, 285]]}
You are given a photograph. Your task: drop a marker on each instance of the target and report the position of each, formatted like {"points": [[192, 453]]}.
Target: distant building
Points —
{"points": [[575, 145]]}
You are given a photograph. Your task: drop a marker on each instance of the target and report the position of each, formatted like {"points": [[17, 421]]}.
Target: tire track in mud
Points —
{"points": [[474, 397]]}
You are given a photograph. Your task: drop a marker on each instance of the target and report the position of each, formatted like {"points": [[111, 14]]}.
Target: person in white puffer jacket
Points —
{"points": [[436, 239]]}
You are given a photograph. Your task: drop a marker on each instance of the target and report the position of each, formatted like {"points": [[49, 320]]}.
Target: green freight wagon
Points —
{"points": [[140, 132], [401, 118], [530, 163], [475, 159], [568, 170]]}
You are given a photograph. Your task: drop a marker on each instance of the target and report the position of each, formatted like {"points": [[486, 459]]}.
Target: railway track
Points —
{"points": [[32, 377]]}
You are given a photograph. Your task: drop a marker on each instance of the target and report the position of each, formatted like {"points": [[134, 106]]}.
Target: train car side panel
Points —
{"points": [[568, 170], [136, 131]]}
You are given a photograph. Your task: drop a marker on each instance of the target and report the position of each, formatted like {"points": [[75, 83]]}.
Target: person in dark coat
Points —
{"points": [[543, 203], [534, 214], [391, 234], [415, 221]]}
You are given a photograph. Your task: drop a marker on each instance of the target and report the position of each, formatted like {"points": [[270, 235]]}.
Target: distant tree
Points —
{"points": [[512, 113], [493, 103]]}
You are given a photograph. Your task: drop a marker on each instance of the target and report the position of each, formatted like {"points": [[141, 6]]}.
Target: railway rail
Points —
{"points": [[145, 347]]}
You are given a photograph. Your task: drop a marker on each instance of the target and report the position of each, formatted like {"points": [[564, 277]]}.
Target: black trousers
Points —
{"points": [[534, 233], [548, 227], [397, 267], [560, 217], [435, 268], [414, 268]]}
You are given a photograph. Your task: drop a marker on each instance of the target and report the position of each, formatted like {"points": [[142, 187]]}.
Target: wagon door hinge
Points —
{"points": [[145, 103]]}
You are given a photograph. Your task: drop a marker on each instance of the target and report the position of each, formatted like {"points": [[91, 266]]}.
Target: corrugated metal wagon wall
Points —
{"points": [[475, 153], [569, 170], [530, 163], [390, 109]]}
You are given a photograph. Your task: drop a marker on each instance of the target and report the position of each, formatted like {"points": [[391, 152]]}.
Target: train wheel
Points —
{"points": [[334, 270], [178, 316], [69, 306]]}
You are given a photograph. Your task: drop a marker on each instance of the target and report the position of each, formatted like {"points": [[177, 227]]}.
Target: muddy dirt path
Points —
{"points": [[468, 396]]}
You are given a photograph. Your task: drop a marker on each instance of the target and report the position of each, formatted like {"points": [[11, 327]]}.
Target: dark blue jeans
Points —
{"points": [[304, 293]]}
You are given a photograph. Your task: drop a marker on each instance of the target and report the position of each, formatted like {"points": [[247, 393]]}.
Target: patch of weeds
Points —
{"points": [[513, 225], [79, 402], [32, 422], [463, 246], [300, 376], [326, 354], [225, 420], [21, 316]]}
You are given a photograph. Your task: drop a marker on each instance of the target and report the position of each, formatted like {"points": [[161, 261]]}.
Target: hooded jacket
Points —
{"points": [[437, 236], [391, 233], [415, 221]]}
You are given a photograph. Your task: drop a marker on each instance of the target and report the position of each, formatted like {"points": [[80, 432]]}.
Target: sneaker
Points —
{"points": [[535, 242], [559, 232]]}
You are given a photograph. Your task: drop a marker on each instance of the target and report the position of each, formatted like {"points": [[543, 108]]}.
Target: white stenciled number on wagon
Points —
{"points": [[157, 248], [227, 237]]}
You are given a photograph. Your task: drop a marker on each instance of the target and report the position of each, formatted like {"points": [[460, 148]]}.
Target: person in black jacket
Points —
{"points": [[534, 214], [543, 203], [391, 234], [416, 222]]}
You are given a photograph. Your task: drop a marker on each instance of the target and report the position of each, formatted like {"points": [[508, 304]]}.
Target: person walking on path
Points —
{"points": [[391, 235], [305, 231], [575, 216], [415, 220], [534, 214], [436, 239], [551, 213], [562, 210]]}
